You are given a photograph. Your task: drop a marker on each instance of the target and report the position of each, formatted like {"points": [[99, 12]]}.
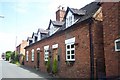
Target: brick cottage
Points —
{"points": [[82, 41]]}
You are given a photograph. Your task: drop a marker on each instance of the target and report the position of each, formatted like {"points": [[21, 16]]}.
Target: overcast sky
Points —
{"points": [[23, 17]]}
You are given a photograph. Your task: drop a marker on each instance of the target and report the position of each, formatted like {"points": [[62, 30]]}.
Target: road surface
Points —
{"points": [[8, 70]]}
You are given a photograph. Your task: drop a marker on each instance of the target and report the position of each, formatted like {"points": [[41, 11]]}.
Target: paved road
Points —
{"points": [[13, 71], [0, 70]]}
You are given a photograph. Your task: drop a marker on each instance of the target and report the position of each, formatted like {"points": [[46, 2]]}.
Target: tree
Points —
{"points": [[8, 55], [14, 57]]}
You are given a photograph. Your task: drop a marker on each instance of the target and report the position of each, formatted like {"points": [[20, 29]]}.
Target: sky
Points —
{"points": [[23, 17]]}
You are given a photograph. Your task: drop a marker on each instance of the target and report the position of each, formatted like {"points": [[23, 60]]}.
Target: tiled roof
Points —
{"points": [[55, 23], [34, 34], [29, 38], [78, 11], [90, 10], [87, 12], [42, 31]]}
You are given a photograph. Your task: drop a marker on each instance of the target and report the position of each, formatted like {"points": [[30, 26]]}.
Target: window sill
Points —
{"points": [[70, 63]]}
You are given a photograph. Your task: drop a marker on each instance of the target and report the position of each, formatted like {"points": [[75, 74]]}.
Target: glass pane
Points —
{"points": [[118, 45], [72, 52], [68, 52], [72, 46], [68, 46], [68, 57], [72, 56]]}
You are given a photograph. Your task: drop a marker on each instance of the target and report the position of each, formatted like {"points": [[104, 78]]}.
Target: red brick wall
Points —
{"points": [[81, 67], [111, 30], [99, 59]]}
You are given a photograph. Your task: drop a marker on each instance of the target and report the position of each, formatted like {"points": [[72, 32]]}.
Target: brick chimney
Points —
{"points": [[60, 13]]}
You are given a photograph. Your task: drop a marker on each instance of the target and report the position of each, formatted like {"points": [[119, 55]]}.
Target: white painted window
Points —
{"points": [[27, 53], [46, 52], [117, 45], [69, 19], [70, 49], [32, 54]]}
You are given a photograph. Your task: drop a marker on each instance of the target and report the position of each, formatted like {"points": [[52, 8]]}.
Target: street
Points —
{"points": [[9, 70]]}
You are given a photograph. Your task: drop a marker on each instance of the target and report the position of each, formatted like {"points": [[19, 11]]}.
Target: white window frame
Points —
{"points": [[70, 54], [32, 57], [70, 42], [116, 49], [27, 53], [69, 19], [46, 52]]}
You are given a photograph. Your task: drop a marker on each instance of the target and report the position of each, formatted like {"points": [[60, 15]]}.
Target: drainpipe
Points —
{"points": [[91, 52]]}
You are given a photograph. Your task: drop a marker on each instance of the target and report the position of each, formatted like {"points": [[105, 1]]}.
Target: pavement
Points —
{"points": [[9, 71]]}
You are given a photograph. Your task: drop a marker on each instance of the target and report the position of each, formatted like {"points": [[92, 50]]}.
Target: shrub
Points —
{"points": [[54, 68], [48, 65]]}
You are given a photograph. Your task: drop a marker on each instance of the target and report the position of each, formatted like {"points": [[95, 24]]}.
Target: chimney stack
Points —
{"points": [[60, 13]]}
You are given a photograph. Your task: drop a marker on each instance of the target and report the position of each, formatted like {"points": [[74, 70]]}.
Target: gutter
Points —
{"points": [[91, 51]]}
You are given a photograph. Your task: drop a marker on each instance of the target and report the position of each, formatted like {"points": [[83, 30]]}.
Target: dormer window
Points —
{"points": [[30, 42], [72, 15], [36, 38], [54, 26], [69, 19], [41, 34]]}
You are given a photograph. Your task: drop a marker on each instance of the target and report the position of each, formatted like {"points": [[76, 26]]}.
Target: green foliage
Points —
{"points": [[54, 68], [14, 58], [48, 65], [8, 55]]}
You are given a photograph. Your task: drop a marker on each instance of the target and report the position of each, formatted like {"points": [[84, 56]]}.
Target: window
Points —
{"points": [[43, 35], [117, 45], [70, 49], [46, 52], [69, 19], [66, 22], [32, 54], [27, 56], [30, 42], [70, 52], [36, 38]]}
